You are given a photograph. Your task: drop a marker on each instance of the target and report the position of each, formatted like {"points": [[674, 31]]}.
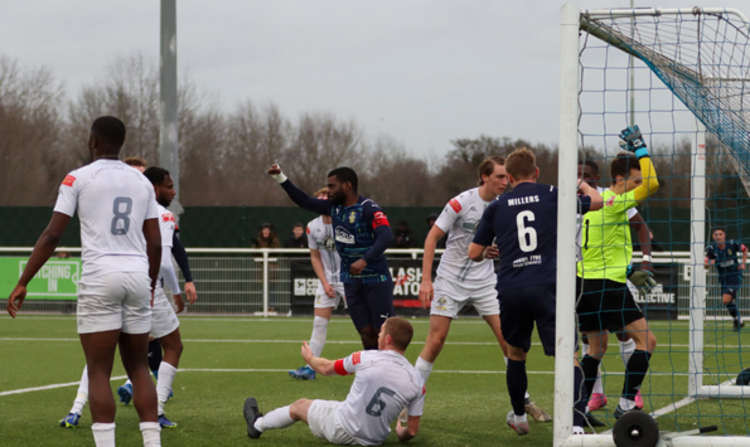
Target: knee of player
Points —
{"points": [[298, 408], [651, 342]]}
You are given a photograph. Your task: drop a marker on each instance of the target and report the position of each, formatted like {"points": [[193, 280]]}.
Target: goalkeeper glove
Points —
{"points": [[643, 280], [632, 140]]}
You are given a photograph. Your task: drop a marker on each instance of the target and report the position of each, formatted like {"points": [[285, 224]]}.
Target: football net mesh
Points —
{"points": [[672, 74]]}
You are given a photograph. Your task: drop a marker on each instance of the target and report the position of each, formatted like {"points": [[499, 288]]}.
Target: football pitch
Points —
{"points": [[227, 359]]}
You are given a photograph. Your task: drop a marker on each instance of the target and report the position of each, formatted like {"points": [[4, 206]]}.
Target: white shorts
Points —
{"points": [[322, 300], [163, 318], [112, 301], [449, 299], [321, 418]]}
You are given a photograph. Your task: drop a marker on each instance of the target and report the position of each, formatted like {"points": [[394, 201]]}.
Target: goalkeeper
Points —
{"points": [[605, 303]]}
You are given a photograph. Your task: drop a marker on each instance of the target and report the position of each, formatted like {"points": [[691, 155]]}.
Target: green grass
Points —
{"points": [[466, 395]]}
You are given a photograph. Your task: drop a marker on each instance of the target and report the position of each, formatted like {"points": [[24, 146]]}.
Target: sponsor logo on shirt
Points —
{"points": [[168, 217], [610, 202], [344, 236], [68, 180], [352, 217], [356, 358]]}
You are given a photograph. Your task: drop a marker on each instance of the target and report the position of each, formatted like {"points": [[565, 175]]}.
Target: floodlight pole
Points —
{"points": [[169, 156]]}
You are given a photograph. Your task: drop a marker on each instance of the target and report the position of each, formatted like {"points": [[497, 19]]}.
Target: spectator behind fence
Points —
{"points": [[430, 222], [402, 235], [298, 237], [266, 237]]}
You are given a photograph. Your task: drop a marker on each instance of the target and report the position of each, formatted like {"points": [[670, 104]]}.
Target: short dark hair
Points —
{"points": [[344, 174], [400, 331], [109, 130], [715, 229], [622, 164], [298, 224], [591, 164], [487, 166], [156, 175]]}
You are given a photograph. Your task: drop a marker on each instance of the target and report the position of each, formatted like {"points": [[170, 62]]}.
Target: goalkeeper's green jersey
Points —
{"points": [[606, 246]]}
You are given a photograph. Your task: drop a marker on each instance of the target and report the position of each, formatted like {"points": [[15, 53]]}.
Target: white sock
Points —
{"points": [[82, 396], [104, 434], [584, 349], [128, 382], [318, 336], [278, 418], [527, 396], [519, 419], [164, 384], [151, 432], [627, 404], [598, 389], [505, 359], [424, 368], [626, 350]]}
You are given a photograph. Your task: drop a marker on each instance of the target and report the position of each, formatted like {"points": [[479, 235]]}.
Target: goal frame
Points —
{"points": [[570, 24]]}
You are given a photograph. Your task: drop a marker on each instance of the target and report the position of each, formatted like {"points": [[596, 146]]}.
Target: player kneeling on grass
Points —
{"points": [[384, 384], [524, 224], [605, 304]]}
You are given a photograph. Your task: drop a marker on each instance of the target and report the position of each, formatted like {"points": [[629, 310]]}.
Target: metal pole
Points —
{"points": [[169, 157], [698, 274], [631, 79], [265, 282], [566, 224]]}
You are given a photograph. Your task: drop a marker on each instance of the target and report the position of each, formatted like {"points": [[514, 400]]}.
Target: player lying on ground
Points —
{"points": [[326, 264], [524, 224], [362, 233], [605, 303], [155, 353], [461, 281], [723, 254], [121, 251], [589, 172], [384, 383]]}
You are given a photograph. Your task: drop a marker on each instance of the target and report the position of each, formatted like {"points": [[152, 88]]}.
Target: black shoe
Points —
{"points": [[252, 413], [738, 325], [619, 411], [593, 421]]}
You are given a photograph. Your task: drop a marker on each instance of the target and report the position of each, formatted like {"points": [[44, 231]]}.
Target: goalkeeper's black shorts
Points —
{"points": [[604, 305]]}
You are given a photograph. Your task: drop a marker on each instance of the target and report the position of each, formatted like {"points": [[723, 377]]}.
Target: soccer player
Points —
{"points": [[605, 304], [460, 281], [326, 263], [121, 251], [589, 172], [385, 382], [362, 233], [524, 224], [723, 254]]}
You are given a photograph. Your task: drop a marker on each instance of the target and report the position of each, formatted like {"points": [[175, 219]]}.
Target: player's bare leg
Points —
{"points": [[99, 349], [133, 351], [438, 332]]}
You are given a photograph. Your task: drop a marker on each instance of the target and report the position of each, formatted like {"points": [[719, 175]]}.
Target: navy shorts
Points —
{"points": [[369, 304], [730, 285], [520, 308], [604, 304]]}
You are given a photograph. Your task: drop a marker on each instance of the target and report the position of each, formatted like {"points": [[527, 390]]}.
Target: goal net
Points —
{"points": [[683, 76]]}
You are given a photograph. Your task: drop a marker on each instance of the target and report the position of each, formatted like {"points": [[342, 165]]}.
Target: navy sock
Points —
{"points": [[590, 366], [579, 398], [515, 379], [154, 355], [635, 371], [732, 308]]}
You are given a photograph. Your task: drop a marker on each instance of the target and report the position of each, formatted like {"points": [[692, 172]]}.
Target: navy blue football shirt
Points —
{"points": [[524, 224]]}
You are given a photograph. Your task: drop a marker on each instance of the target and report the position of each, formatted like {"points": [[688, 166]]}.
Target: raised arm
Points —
{"points": [[632, 140], [297, 195]]}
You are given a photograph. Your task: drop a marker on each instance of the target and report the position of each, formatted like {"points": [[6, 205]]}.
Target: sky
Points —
{"points": [[419, 72]]}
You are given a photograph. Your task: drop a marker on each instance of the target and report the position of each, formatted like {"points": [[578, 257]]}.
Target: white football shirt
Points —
{"points": [[112, 200], [167, 274], [320, 237], [385, 382], [460, 219]]}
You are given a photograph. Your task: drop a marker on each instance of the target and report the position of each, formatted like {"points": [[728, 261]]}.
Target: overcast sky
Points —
{"points": [[421, 72]]}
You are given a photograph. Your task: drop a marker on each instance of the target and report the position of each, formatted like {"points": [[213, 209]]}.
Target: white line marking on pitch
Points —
{"points": [[50, 387]]}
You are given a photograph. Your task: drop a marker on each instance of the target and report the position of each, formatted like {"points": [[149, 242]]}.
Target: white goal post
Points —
{"points": [[570, 85]]}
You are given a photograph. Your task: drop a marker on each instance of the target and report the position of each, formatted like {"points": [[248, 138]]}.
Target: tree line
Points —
{"points": [[224, 154]]}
